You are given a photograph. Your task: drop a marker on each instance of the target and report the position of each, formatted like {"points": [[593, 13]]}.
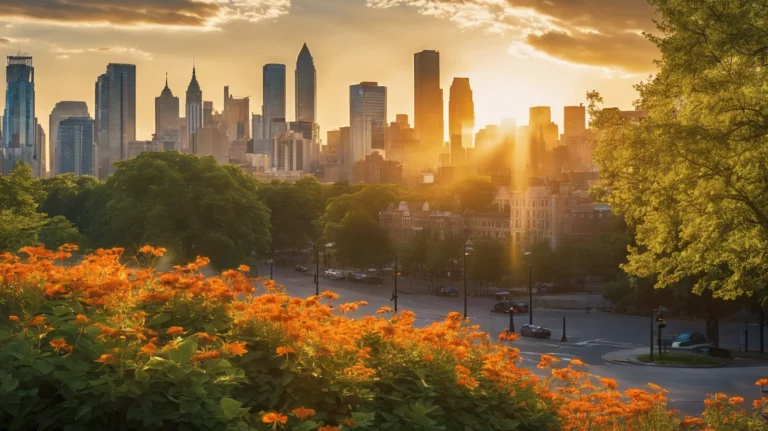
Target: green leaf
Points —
{"points": [[83, 410], [42, 366], [189, 406], [10, 383], [287, 378], [230, 407], [305, 426], [61, 310], [160, 319], [184, 351]]}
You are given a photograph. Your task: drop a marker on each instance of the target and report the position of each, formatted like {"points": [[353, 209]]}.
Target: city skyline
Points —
{"points": [[505, 85]]}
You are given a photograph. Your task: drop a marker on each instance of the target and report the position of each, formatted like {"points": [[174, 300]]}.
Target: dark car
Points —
{"points": [[713, 351], [520, 307], [692, 339], [535, 331], [373, 279], [502, 307], [355, 276], [300, 268], [447, 291]]}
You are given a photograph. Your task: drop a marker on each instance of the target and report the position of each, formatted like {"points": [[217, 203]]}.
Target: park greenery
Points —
{"points": [[107, 341]]}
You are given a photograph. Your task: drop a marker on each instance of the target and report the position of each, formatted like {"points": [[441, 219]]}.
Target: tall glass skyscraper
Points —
{"points": [[461, 119], [60, 112], [74, 146], [19, 117], [273, 107], [367, 119], [115, 115], [306, 87], [428, 100], [194, 104]]}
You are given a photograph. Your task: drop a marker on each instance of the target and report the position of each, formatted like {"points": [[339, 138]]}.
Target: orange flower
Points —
{"points": [[284, 350], [175, 331], [690, 421], [735, 400], [384, 310], [81, 320], [655, 387], [547, 361], [329, 295], [329, 428], [508, 336], [303, 413], [203, 337], [148, 249], [759, 403], [13, 318], [762, 382], [149, 349], [274, 419], [236, 348], [206, 356], [578, 363], [609, 383], [36, 321], [106, 359], [243, 268], [58, 344], [350, 422]]}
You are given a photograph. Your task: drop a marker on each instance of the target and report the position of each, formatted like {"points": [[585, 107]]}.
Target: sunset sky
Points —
{"points": [[517, 53]]}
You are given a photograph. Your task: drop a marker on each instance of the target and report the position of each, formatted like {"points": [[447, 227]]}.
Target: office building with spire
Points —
{"points": [[306, 87], [115, 116], [461, 120], [19, 117], [167, 116], [194, 110], [60, 112]]}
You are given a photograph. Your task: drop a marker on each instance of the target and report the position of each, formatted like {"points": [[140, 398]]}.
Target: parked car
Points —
{"points": [[372, 279], [713, 351], [693, 339], [300, 268], [502, 307], [535, 331], [355, 276], [336, 274], [520, 307], [447, 291], [501, 296]]}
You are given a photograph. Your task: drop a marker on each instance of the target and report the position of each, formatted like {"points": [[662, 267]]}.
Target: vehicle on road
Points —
{"points": [[355, 276], [372, 279], [501, 296], [716, 352], [335, 274], [503, 307], [447, 291], [300, 268], [520, 307], [535, 331], [690, 340]]}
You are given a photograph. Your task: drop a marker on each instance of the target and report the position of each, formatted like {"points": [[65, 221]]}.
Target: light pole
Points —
{"points": [[271, 269], [467, 251], [530, 288], [394, 296]]}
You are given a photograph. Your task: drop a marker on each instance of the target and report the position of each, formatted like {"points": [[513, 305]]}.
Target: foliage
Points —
{"points": [[293, 211], [691, 178], [188, 204], [100, 344], [361, 241], [490, 259]]}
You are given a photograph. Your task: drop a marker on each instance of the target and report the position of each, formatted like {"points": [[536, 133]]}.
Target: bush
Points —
{"points": [[110, 343]]}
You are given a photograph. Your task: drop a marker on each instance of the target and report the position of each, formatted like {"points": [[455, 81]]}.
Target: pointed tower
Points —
{"points": [[194, 105], [167, 115], [306, 84]]}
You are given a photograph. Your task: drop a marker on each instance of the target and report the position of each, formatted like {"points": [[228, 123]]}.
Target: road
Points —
{"points": [[590, 336]]}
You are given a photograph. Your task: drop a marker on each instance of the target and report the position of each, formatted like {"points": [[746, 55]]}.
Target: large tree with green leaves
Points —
{"points": [[188, 204], [294, 210], [691, 179], [360, 241]]}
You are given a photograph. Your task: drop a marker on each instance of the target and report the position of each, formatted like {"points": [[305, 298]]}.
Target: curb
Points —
{"points": [[635, 362]]}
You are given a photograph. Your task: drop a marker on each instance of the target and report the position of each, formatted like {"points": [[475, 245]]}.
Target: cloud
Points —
{"points": [[142, 13], [605, 34], [66, 53]]}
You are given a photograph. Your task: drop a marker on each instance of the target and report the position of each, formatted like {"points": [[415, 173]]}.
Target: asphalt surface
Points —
{"points": [[590, 336]]}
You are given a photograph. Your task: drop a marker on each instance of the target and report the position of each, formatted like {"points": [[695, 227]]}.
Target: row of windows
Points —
{"points": [[488, 223]]}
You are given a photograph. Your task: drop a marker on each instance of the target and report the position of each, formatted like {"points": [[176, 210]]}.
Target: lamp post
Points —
{"points": [[530, 288], [317, 263], [271, 269], [467, 251], [394, 296]]}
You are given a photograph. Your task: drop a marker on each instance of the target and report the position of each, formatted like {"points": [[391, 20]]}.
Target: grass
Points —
{"points": [[691, 359]]}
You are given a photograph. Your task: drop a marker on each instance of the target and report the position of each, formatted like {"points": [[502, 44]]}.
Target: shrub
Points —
{"points": [[110, 343]]}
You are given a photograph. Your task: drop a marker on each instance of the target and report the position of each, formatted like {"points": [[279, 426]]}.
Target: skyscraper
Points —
{"points": [[539, 129], [306, 87], [575, 123], [167, 115], [75, 146], [428, 100], [367, 119], [115, 115], [62, 111], [273, 107], [19, 117], [461, 119], [194, 108], [236, 113]]}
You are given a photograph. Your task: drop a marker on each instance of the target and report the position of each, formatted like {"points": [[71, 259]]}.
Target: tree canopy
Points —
{"points": [[691, 177]]}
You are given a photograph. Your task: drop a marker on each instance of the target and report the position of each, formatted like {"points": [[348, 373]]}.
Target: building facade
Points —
{"points": [[194, 109], [306, 87], [428, 101], [19, 117], [461, 119], [167, 115], [115, 115], [375, 170], [367, 119], [60, 112], [291, 152], [273, 107], [75, 146]]}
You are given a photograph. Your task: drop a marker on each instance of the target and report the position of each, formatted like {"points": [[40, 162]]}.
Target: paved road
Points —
{"points": [[590, 336]]}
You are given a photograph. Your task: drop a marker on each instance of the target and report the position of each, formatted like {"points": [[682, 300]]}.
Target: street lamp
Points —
{"points": [[530, 289], [467, 251], [317, 264], [394, 295], [271, 263]]}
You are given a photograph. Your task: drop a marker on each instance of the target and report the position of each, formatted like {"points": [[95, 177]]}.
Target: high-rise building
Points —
{"points": [[194, 109], [167, 115], [367, 119], [207, 113], [19, 117], [428, 100], [236, 112], [461, 119], [74, 146], [575, 123], [62, 111], [273, 107], [41, 148], [115, 115], [291, 152], [257, 127], [306, 87]]}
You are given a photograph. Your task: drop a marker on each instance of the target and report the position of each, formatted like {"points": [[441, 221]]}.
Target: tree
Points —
{"points": [[293, 211], [361, 241], [489, 259], [20, 191], [188, 204], [690, 179]]}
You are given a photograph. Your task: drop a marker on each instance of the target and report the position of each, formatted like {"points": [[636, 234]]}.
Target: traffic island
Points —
{"points": [[641, 357]]}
